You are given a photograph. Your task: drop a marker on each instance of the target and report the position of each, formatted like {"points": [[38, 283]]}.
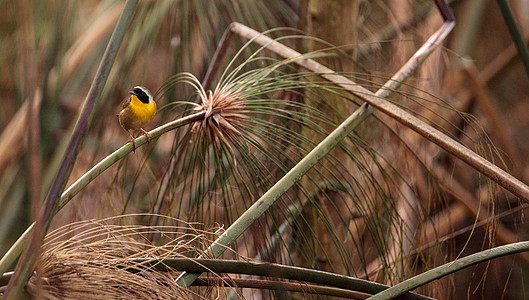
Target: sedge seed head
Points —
{"points": [[225, 116]]}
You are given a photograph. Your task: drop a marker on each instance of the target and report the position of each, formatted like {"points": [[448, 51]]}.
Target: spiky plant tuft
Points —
{"points": [[225, 116]]}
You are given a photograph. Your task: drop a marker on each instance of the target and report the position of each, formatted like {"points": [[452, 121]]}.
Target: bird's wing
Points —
{"points": [[125, 103]]}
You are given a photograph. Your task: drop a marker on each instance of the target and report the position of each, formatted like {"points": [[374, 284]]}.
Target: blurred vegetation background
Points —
{"points": [[386, 205]]}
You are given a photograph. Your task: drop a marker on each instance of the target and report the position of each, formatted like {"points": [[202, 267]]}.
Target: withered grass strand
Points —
{"points": [[99, 259]]}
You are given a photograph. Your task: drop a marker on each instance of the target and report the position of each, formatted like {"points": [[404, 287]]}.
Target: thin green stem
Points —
{"points": [[523, 51], [449, 268]]}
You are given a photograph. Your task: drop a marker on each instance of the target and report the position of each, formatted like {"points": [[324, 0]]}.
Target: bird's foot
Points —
{"points": [[147, 135], [133, 140]]}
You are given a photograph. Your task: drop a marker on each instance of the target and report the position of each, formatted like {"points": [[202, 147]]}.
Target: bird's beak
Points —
{"points": [[132, 93]]}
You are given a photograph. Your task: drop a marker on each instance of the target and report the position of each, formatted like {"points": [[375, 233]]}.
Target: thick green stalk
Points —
{"points": [[293, 176], [452, 146], [16, 249], [260, 206], [276, 271], [108, 161], [9, 258], [449, 268]]}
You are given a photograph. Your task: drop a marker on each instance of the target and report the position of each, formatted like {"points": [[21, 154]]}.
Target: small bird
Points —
{"points": [[136, 111]]}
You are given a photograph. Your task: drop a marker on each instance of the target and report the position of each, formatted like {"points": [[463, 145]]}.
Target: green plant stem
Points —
{"points": [[280, 271], [265, 269], [267, 199], [16, 249], [22, 242], [275, 285], [293, 176], [449, 268], [453, 147], [523, 51], [27, 261], [108, 161]]}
